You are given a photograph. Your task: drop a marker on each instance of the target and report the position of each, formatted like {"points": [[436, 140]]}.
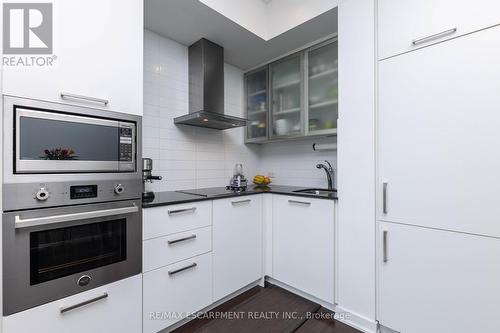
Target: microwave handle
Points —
{"points": [[36, 221]]}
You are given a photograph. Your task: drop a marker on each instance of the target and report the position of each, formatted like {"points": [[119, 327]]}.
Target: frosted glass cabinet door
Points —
{"points": [[322, 89], [257, 105], [286, 108]]}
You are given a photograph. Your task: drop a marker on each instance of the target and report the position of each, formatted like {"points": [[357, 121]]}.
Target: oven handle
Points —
{"points": [[36, 221]]}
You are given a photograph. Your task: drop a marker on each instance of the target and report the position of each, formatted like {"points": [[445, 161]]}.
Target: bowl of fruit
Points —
{"points": [[261, 180]]}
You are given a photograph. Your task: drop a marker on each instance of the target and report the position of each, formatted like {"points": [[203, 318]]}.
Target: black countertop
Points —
{"points": [[184, 196]]}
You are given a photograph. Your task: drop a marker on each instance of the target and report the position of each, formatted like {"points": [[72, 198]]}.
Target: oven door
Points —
{"points": [[48, 141], [53, 253]]}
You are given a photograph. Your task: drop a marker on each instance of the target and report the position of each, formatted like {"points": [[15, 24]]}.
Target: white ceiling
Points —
{"points": [[186, 21], [269, 19]]}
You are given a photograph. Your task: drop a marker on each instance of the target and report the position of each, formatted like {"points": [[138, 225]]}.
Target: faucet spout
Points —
{"points": [[330, 173]]}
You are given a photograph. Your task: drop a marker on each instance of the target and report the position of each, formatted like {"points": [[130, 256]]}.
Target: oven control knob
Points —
{"points": [[84, 280], [42, 194], [119, 189]]}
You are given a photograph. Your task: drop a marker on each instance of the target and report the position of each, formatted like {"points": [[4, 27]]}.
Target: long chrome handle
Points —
{"points": [[175, 271], [180, 211], [384, 197], [431, 37], [65, 95], [304, 203], [78, 305], [178, 240], [236, 203], [35, 221], [384, 249]]}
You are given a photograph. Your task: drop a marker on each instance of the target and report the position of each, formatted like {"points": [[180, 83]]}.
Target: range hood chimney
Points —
{"points": [[206, 89]]}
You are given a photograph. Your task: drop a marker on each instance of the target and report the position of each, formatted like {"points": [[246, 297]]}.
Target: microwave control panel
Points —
{"points": [[126, 144]]}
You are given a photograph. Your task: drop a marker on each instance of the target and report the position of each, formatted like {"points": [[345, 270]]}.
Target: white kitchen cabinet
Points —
{"points": [[172, 292], [402, 22], [439, 136], [303, 244], [437, 281], [167, 220], [120, 312], [237, 243], [99, 50], [166, 250]]}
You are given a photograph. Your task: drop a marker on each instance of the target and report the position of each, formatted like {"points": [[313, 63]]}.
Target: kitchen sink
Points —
{"points": [[317, 191]]}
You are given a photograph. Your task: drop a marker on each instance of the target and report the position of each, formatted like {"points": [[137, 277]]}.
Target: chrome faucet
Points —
{"points": [[330, 173]]}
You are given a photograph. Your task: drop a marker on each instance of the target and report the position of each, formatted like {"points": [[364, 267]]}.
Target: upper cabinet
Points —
{"points": [[295, 96], [97, 58], [411, 24], [286, 94], [322, 89], [256, 93]]}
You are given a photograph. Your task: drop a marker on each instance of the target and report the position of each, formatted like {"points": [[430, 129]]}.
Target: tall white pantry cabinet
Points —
{"points": [[438, 160]]}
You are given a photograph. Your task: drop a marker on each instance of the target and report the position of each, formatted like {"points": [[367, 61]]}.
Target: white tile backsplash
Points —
{"points": [[189, 157], [294, 162]]}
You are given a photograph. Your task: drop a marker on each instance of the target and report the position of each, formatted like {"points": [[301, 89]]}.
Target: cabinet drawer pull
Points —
{"points": [[78, 305], [84, 98], [180, 211], [304, 203], [236, 203], [384, 249], [384, 197], [175, 271], [178, 240], [431, 37]]}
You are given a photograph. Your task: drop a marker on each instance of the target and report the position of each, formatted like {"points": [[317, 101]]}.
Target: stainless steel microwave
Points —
{"points": [[52, 138]]}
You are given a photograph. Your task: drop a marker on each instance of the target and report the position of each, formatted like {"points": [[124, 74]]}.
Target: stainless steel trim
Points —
{"points": [[180, 211], [384, 248], [31, 222], [431, 37], [21, 112], [236, 203], [175, 271], [305, 203], [65, 95], [178, 240], [384, 197], [78, 305]]}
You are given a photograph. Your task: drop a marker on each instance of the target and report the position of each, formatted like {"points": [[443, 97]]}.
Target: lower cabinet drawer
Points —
{"points": [[167, 250], [167, 220], [173, 291], [113, 308]]}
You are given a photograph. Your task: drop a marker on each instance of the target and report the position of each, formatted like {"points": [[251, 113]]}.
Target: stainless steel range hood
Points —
{"points": [[206, 89]]}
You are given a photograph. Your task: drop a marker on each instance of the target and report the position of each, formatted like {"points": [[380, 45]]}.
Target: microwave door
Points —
{"points": [[53, 142]]}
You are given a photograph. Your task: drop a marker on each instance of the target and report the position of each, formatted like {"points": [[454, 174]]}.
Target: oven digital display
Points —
{"points": [[83, 191]]}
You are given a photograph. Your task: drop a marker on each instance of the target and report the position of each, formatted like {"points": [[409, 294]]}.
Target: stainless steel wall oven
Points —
{"points": [[72, 218]]}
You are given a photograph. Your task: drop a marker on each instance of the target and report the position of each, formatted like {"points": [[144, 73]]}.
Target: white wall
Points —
{"points": [[356, 156], [294, 162], [188, 157]]}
